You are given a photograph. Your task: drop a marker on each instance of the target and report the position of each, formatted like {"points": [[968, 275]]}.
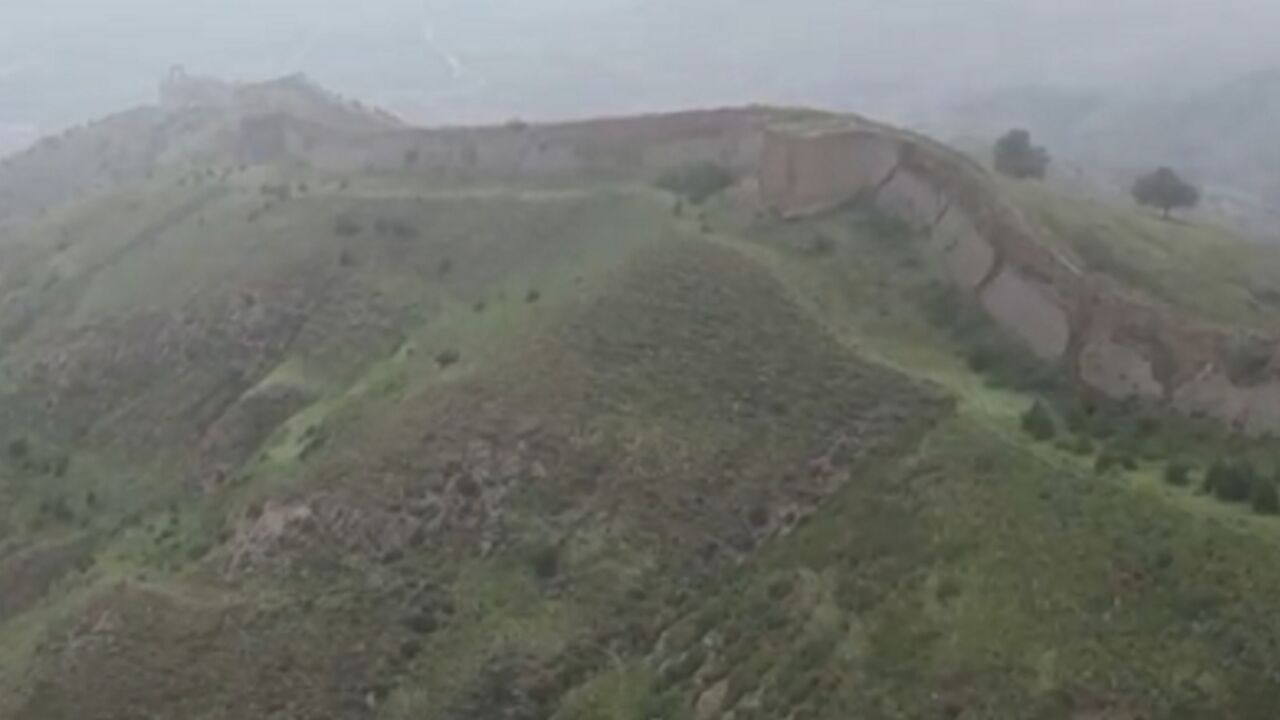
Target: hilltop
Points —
{"points": [[305, 412]]}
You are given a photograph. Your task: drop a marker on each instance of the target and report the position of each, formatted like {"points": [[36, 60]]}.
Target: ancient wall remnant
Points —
{"points": [[968, 256], [1119, 370], [805, 170], [1113, 341], [1026, 310], [910, 196]]}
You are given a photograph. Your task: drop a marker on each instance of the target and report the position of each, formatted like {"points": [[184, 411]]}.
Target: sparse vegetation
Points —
{"points": [[1177, 474], [345, 226], [1038, 422]]}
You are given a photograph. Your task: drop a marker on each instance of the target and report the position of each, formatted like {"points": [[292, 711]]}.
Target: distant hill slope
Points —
{"points": [[200, 121], [320, 421]]}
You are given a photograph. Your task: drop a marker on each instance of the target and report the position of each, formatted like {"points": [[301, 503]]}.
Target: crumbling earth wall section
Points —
{"points": [[1112, 341]]}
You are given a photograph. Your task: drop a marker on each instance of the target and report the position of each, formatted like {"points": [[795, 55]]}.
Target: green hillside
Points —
{"points": [[1198, 266], [276, 443]]}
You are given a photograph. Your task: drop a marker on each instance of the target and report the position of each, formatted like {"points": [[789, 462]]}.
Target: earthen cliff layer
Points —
{"points": [[1112, 341]]}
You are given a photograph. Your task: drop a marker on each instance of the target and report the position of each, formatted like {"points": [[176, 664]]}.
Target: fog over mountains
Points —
{"points": [[488, 60]]}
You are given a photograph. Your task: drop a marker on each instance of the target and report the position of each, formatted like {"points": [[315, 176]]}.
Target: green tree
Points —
{"points": [[1016, 157], [1165, 190]]}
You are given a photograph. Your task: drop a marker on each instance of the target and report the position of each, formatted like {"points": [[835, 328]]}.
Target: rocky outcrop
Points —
{"points": [[1030, 310], [1111, 340]]}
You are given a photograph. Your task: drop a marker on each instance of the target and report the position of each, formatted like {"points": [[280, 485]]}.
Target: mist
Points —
{"points": [[441, 61]]}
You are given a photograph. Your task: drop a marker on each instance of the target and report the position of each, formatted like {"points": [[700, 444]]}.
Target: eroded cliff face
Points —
{"points": [[1112, 341]]}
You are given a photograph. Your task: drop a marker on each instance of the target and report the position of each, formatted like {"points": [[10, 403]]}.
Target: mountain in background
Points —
{"points": [[444, 62]]}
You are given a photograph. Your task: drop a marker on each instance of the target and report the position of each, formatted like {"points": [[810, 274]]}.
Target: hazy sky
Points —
{"points": [[463, 60]]}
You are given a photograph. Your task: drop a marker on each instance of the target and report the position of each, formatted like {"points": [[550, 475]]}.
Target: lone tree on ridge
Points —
{"points": [[1016, 157], [1165, 190]]}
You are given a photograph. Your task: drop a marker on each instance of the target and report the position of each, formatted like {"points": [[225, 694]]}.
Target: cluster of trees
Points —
{"points": [[1017, 157], [1228, 480], [1241, 482]]}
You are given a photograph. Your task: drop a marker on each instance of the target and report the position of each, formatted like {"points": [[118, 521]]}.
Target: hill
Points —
{"points": [[716, 414]]}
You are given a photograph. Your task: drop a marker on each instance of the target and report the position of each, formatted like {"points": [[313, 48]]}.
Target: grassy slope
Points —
{"points": [[1197, 266], [970, 574]]}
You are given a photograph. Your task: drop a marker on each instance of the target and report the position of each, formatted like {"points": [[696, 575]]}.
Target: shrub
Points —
{"points": [[448, 357], [280, 193], [696, 182], [399, 229], [545, 562], [1081, 445], [1111, 459], [346, 227], [57, 509], [1265, 501], [1177, 474], [1231, 482], [1038, 422], [820, 245], [19, 449]]}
